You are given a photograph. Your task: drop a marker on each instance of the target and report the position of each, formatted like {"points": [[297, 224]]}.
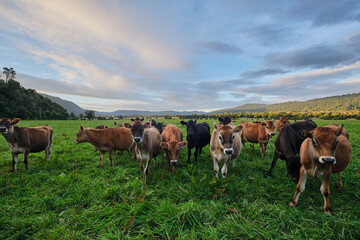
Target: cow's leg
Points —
{"points": [[189, 155], [26, 159], [216, 166], [196, 154], [47, 153], [265, 146], [243, 142], [262, 149], [225, 167], [146, 169], [273, 163], [300, 187], [154, 161], [14, 158], [101, 159], [338, 183], [111, 157], [233, 162], [200, 151], [132, 152], [325, 190]]}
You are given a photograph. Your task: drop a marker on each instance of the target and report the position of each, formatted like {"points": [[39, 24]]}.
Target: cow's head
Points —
{"points": [[137, 129], [159, 126], [283, 122], [81, 136], [226, 120], [270, 127], [6, 124], [172, 150], [324, 142], [190, 128], [226, 135]]}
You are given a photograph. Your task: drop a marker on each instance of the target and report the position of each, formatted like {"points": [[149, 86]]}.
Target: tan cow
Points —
{"points": [[225, 144], [258, 132], [147, 144], [172, 143], [326, 151], [26, 139], [106, 140], [282, 123]]}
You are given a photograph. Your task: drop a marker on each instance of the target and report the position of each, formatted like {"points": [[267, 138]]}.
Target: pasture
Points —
{"points": [[70, 198]]}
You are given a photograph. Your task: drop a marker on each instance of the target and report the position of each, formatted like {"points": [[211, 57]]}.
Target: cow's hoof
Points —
{"points": [[328, 210], [292, 204], [268, 174], [100, 166]]}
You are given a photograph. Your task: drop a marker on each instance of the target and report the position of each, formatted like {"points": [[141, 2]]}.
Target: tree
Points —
{"points": [[9, 73], [89, 114]]}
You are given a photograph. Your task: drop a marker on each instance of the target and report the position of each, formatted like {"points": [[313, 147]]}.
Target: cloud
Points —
{"points": [[220, 47], [268, 34], [262, 72]]}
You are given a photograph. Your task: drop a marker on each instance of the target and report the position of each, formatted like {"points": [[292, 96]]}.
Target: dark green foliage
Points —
{"points": [[16, 101], [70, 198]]}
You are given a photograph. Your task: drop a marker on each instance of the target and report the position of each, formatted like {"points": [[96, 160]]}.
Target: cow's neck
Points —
{"points": [[91, 135], [10, 135]]}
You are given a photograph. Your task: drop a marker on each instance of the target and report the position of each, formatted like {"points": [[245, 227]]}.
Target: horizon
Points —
{"points": [[188, 56]]}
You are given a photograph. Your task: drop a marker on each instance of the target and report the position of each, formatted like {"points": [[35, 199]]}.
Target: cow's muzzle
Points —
{"points": [[173, 163], [327, 160], [228, 151], [137, 139], [272, 134], [3, 130]]}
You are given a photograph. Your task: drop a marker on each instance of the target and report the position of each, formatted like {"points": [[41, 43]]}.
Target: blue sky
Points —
{"points": [[182, 55]]}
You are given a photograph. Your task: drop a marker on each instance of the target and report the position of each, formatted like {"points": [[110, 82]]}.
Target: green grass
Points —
{"points": [[70, 198]]}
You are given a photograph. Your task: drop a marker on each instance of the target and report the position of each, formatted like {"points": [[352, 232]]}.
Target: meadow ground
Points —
{"points": [[70, 198]]}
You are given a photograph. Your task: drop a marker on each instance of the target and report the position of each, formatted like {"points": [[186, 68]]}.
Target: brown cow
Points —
{"points": [[147, 144], [106, 140], [282, 123], [26, 139], [257, 133], [225, 144], [326, 151], [172, 143]]}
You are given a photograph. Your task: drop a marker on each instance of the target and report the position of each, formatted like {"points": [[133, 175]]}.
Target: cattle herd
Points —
{"points": [[306, 148]]}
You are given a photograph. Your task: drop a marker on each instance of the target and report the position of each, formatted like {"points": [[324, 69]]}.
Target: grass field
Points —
{"points": [[70, 198]]}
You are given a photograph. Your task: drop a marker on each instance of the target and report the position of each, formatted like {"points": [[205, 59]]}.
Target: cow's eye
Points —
{"points": [[220, 137], [314, 142], [335, 144], [233, 136]]}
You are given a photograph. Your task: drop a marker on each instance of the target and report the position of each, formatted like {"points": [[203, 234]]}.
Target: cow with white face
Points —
{"points": [[225, 144]]}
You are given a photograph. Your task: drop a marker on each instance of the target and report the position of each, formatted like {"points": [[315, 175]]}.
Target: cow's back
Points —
{"points": [[36, 139], [203, 135], [251, 132], [152, 139], [121, 137]]}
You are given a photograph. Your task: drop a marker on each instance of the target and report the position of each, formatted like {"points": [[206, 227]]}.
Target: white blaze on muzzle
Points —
{"points": [[228, 150], [173, 162], [327, 160]]}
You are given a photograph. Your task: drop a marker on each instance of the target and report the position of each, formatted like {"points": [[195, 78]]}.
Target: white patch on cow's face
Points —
{"points": [[327, 160], [228, 151]]}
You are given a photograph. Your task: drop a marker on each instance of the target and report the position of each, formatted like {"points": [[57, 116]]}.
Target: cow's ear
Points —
{"points": [[81, 128], [238, 128], [106, 126], [221, 119], [127, 125], [132, 119], [183, 122], [115, 124], [142, 119], [182, 144], [263, 124], [163, 145], [338, 131], [15, 121], [304, 133], [216, 127], [147, 125]]}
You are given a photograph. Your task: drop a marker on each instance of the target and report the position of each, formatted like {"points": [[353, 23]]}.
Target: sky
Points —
{"points": [[182, 55]]}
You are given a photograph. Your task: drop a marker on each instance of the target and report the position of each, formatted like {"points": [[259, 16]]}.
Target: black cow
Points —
{"points": [[226, 120], [158, 125], [287, 146], [198, 136]]}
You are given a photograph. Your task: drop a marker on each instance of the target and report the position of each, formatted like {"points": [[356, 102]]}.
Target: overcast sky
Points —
{"points": [[182, 55]]}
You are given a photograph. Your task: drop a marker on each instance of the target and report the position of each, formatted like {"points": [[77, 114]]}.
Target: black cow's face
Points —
{"points": [[159, 126], [6, 124]]}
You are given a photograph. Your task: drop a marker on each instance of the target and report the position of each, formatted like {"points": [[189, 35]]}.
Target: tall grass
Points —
{"points": [[70, 198]]}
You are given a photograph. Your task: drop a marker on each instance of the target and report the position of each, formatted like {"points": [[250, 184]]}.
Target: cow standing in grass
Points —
{"points": [[198, 136], [147, 144], [106, 140], [26, 139], [225, 144], [172, 143], [326, 151]]}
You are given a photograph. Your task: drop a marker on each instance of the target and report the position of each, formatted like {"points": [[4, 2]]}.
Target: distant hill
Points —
{"points": [[76, 109], [68, 105], [346, 102], [17, 101]]}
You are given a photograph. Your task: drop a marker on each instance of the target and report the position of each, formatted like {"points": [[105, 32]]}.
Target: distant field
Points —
{"points": [[70, 198]]}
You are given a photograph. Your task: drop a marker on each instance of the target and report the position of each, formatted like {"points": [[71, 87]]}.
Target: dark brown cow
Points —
{"points": [[172, 142], [106, 140], [147, 144], [225, 144], [282, 123], [326, 151], [26, 140], [101, 126], [257, 133]]}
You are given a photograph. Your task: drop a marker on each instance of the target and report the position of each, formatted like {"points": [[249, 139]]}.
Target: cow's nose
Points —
{"points": [[3, 129], [137, 139], [327, 160], [173, 163], [272, 134], [228, 151]]}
